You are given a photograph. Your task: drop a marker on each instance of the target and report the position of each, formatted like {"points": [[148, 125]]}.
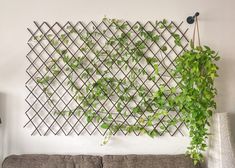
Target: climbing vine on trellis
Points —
{"points": [[106, 76]]}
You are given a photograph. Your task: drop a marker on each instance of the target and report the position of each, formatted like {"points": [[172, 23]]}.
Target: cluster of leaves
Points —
{"points": [[195, 98]]}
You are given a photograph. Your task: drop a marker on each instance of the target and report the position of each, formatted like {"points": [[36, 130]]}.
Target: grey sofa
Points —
{"points": [[107, 161]]}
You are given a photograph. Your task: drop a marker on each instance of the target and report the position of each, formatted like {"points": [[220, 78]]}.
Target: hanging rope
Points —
{"points": [[196, 30]]}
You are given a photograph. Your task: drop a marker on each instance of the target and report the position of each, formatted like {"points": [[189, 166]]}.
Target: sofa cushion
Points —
{"points": [[52, 161], [147, 161]]}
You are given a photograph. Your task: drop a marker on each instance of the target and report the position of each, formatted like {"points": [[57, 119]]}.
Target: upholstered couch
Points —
{"points": [[107, 161]]}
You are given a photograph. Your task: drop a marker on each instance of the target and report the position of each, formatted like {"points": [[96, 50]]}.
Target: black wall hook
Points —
{"points": [[191, 19]]}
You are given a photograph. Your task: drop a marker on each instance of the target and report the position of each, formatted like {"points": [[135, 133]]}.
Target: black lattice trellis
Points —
{"points": [[70, 43]]}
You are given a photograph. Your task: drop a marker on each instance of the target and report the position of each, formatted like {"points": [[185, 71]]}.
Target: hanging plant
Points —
{"points": [[197, 69]]}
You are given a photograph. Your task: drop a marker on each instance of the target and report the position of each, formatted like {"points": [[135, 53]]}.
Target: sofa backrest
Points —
{"points": [[52, 161], [107, 161], [147, 161]]}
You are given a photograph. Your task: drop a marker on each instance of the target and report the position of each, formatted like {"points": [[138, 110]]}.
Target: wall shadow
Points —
{"points": [[2, 109], [224, 84], [231, 117], [2, 125]]}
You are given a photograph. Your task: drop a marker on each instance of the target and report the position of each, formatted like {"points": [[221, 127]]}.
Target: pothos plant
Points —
{"points": [[197, 70], [136, 107]]}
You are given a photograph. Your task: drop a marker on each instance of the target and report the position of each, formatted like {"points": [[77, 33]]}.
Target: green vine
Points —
{"points": [[197, 69], [195, 98], [109, 68]]}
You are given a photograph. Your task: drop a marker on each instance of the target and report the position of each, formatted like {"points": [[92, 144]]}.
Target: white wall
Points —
{"points": [[217, 22]]}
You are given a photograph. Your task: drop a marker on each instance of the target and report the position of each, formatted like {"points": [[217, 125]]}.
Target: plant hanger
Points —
{"points": [[191, 20], [196, 31]]}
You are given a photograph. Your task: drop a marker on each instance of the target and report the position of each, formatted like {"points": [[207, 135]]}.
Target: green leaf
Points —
{"points": [[164, 48], [137, 110], [63, 52], [156, 69], [156, 38], [89, 118], [152, 78], [153, 133], [191, 44], [105, 126], [177, 39], [164, 21], [151, 60]]}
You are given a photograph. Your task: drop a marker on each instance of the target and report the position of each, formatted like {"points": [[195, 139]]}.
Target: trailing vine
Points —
{"points": [[195, 99], [106, 77], [197, 70]]}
